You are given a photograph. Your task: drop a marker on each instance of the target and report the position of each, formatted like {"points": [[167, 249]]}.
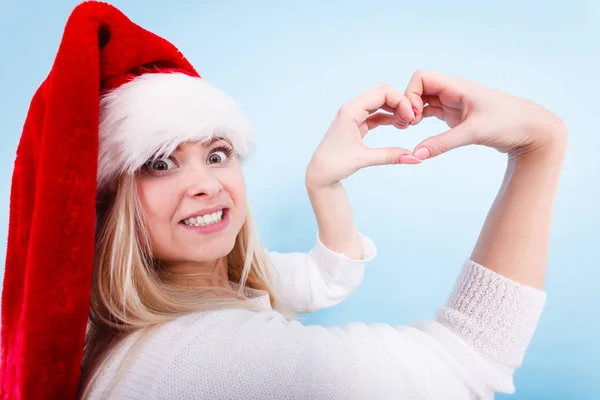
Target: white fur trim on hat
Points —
{"points": [[154, 113]]}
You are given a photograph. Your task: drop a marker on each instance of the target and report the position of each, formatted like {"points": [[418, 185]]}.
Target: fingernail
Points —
{"points": [[422, 153], [408, 159], [415, 111]]}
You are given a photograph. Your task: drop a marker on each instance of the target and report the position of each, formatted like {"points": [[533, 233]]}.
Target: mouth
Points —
{"points": [[213, 218]]}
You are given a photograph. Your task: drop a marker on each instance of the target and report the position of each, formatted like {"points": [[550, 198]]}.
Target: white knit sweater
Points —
{"points": [[470, 351]]}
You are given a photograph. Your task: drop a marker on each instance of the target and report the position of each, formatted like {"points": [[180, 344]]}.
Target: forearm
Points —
{"points": [[337, 229], [514, 241]]}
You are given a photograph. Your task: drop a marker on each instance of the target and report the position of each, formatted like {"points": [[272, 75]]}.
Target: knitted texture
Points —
{"points": [[505, 313], [469, 352]]}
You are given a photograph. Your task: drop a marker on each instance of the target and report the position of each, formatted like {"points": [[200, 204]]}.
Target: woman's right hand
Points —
{"points": [[481, 115]]}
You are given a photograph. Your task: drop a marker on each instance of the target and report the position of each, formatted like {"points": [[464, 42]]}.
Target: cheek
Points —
{"points": [[159, 201], [233, 182]]}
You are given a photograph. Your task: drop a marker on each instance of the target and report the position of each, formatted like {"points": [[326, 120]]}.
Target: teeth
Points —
{"points": [[204, 220]]}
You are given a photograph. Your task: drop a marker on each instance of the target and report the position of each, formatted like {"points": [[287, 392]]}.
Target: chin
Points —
{"points": [[215, 251]]}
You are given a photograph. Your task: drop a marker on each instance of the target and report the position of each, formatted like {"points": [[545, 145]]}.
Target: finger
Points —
{"points": [[460, 135], [432, 100], [431, 111], [387, 156], [427, 83], [372, 100], [385, 107], [424, 83], [403, 112], [381, 96], [379, 119], [426, 112]]}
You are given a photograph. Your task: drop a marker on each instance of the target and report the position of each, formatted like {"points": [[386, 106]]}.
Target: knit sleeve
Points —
{"points": [[318, 279], [469, 352], [495, 316]]}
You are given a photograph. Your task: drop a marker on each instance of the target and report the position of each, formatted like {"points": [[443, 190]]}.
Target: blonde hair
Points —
{"points": [[132, 292]]}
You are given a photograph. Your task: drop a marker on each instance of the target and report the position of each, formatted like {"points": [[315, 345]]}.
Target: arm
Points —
{"points": [[337, 229], [334, 268], [504, 298], [515, 237], [320, 278]]}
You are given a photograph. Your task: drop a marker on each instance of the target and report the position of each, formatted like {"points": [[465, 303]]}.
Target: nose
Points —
{"points": [[202, 182]]}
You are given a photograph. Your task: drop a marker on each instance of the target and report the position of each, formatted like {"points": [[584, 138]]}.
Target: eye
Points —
{"points": [[219, 155], [162, 164]]}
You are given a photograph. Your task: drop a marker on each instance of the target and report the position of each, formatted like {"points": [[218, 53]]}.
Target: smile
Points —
{"points": [[207, 223], [203, 220]]}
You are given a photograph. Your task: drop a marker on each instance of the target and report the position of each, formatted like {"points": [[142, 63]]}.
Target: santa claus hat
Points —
{"points": [[117, 95], [155, 112]]}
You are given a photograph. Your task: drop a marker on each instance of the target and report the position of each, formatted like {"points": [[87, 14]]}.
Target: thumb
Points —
{"points": [[458, 136], [387, 156]]}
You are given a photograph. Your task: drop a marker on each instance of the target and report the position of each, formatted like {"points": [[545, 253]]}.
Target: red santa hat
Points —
{"points": [[116, 96]]}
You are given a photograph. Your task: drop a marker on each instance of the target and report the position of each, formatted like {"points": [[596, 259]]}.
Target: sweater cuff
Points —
{"points": [[337, 266], [368, 252], [493, 314]]}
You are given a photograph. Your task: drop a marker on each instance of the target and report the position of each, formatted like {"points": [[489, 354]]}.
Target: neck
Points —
{"points": [[212, 273]]}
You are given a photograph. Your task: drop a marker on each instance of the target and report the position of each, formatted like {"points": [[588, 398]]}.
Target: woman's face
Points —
{"points": [[194, 202]]}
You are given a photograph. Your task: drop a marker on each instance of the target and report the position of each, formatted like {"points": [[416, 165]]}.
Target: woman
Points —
{"points": [[185, 304]]}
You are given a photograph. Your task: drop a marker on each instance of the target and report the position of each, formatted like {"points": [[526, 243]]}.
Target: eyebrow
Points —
{"points": [[209, 143]]}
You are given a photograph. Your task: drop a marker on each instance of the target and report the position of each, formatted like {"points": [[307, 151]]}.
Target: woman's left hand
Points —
{"points": [[479, 115], [342, 151]]}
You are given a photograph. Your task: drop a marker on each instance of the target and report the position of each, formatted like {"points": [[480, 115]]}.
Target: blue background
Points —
{"points": [[292, 64]]}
